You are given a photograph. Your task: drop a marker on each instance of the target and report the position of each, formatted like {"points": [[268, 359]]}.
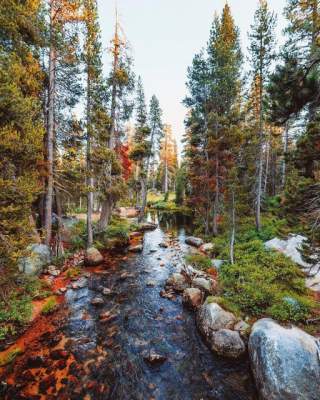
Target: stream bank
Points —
{"points": [[115, 337]]}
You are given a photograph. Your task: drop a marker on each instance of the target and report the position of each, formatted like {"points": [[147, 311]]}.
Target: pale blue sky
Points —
{"points": [[165, 35]]}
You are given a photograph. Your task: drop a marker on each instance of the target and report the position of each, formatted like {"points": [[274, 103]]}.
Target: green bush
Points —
{"points": [[291, 308], [17, 309], [7, 358], [199, 261], [225, 303], [49, 306], [259, 278]]}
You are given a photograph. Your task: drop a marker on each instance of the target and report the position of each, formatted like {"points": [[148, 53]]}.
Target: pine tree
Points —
{"points": [[262, 42], [142, 148], [168, 159], [224, 65], [21, 128], [62, 89], [120, 89], [93, 66], [156, 126]]}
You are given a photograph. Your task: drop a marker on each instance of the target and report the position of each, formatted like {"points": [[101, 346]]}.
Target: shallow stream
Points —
{"points": [[104, 356]]}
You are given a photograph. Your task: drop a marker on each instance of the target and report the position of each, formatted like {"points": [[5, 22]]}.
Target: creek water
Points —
{"points": [[105, 358]]}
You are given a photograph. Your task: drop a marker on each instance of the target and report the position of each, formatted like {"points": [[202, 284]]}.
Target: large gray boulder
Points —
{"points": [[284, 361], [211, 317], [216, 325], [194, 241], [39, 258]]}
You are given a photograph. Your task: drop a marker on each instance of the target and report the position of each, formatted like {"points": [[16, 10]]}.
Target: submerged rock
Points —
{"points": [[194, 241], [178, 282], [164, 245], [93, 257], [147, 226], [154, 358], [80, 283], [106, 291], [284, 361], [97, 301], [192, 297]]}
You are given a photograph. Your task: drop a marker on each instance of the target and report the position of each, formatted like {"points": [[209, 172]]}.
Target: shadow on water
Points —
{"points": [[109, 343]]}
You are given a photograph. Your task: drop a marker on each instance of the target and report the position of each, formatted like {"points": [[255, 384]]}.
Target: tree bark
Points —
{"points": [[50, 129], [285, 151], [233, 227], [260, 161], [89, 166], [59, 244], [105, 216], [107, 204]]}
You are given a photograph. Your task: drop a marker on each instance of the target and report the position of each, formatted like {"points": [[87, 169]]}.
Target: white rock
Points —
{"points": [[289, 247], [207, 247]]}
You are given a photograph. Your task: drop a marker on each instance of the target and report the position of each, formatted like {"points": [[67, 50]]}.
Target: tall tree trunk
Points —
{"points": [[260, 161], [217, 189], [285, 151], [144, 193], [89, 166], [266, 173], [216, 200], [50, 128], [107, 204], [59, 243], [166, 178], [105, 216], [233, 227]]}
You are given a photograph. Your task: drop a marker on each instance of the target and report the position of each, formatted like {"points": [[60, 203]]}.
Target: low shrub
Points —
{"points": [[10, 356], [49, 306], [199, 261], [259, 278], [225, 303], [73, 272]]}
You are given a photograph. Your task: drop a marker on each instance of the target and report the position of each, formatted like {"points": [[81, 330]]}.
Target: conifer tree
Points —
{"points": [[224, 66], [262, 42], [21, 128], [156, 126], [142, 148], [93, 67], [120, 89], [62, 87]]}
